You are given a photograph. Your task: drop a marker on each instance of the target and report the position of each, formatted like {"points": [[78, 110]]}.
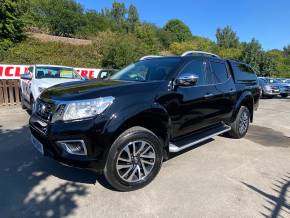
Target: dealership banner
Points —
{"points": [[8, 71]]}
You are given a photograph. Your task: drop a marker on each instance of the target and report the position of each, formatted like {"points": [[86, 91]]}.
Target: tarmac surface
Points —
{"points": [[223, 177]]}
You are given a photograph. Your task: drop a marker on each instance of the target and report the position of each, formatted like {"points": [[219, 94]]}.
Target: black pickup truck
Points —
{"points": [[126, 126]]}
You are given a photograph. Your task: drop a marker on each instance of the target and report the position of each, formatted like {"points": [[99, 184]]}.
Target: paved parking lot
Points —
{"points": [[221, 178]]}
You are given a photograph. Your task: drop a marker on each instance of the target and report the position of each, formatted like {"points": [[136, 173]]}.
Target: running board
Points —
{"points": [[174, 148]]}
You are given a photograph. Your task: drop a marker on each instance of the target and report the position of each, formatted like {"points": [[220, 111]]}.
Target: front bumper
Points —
{"points": [[89, 131], [271, 92], [285, 91]]}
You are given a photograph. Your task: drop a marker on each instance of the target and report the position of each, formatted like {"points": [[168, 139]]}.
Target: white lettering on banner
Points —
{"points": [[88, 72], [14, 71]]}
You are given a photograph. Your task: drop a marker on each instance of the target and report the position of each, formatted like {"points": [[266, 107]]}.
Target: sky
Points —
{"points": [[266, 20]]}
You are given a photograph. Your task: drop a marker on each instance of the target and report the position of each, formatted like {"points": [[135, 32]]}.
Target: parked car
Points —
{"points": [[284, 87], [40, 77], [126, 126], [269, 89], [106, 73]]}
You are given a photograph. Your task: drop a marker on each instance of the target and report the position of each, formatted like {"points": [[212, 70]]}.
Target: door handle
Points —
{"points": [[208, 95]]}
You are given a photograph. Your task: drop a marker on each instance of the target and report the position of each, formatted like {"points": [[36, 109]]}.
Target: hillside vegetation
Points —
{"points": [[117, 37]]}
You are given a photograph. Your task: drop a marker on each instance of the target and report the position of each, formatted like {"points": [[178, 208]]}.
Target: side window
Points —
{"points": [[197, 68], [244, 73], [220, 71]]}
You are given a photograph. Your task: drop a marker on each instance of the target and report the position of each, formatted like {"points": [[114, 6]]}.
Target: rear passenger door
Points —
{"points": [[225, 89]]}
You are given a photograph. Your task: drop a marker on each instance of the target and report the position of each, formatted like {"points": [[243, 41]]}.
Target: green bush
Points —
{"points": [[35, 52], [119, 50]]}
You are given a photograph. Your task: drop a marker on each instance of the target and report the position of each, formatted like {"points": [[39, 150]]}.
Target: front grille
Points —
{"points": [[44, 110], [275, 87]]}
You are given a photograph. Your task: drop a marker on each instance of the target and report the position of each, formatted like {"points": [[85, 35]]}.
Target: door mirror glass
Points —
{"points": [[186, 79], [26, 76]]}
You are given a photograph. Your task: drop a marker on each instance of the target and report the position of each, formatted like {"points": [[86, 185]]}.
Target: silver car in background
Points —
{"points": [[269, 87], [284, 87]]}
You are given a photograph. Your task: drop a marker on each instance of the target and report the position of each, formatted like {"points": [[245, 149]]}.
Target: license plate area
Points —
{"points": [[37, 144]]}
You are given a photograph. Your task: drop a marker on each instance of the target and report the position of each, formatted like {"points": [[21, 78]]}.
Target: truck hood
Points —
{"points": [[48, 82], [90, 89]]}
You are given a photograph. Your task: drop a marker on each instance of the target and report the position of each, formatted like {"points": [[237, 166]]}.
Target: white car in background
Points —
{"points": [[40, 77]]}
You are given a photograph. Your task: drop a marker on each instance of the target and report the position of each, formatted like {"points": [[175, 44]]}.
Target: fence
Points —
{"points": [[9, 92]]}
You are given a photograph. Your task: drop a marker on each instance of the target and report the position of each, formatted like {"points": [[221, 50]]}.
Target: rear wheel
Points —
{"points": [[241, 124], [284, 95], [134, 159]]}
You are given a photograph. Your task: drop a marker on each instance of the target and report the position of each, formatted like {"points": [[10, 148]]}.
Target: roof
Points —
{"points": [[183, 55], [48, 65]]}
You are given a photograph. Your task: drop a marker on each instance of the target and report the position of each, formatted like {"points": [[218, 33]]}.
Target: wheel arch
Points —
{"points": [[247, 100], [155, 119]]}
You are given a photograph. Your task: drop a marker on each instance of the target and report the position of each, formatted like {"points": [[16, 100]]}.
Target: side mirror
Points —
{"points": [[186, 80], [25, 76]]}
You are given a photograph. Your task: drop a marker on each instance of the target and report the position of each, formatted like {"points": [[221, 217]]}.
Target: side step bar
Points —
{"points": [[174, 148]]}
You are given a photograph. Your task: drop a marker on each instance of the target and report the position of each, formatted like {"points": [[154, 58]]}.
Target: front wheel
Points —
{"points": [[134, 159], [241, 124], [22, 102]]}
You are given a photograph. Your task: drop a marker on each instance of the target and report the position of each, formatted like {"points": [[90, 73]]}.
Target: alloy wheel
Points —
{"points": [[243, 122], [135, 161]]}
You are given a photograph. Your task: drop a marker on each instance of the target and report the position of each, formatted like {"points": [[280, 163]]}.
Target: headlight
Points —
{"points": [[267, 87], [84, 108], [40, 89]]}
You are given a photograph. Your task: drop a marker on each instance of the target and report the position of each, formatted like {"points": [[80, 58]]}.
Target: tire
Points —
{"points": [[284, 95], [126, 173], [31, 104], [241, 124], [22, 103]]}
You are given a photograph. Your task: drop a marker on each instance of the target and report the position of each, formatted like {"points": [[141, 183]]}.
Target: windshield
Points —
{"points": [[148, 70], [56, 72]]}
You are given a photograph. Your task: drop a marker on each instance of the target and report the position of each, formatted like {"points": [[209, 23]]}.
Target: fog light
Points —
{"points": [[76, 147]]}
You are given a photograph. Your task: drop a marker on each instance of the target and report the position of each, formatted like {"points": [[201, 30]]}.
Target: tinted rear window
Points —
{"points": [[243, 73]]}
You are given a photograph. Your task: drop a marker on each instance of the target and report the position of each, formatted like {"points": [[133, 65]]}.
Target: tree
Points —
{"points": [[282, 62], [11, 24], [196, 43], [133, 18], [118, 12], [251, 53], [165, 37], [266, 65], [62, 17], [119, 50], [148, 34], [178, 30], [286, 50], [227, 38], [257, 58], [230, 53], [94, 23]]}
